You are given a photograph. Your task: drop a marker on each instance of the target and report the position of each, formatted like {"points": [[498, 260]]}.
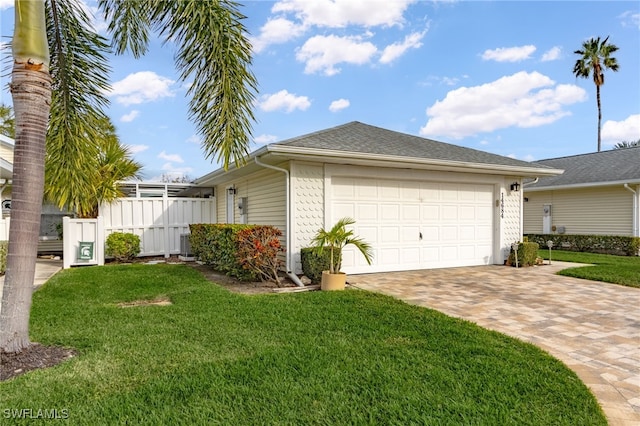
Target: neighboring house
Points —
{"points": [[418, 202], [6, 172], [598, 194]]}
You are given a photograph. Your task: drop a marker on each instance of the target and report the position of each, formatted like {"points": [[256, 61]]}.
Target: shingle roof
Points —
{"points": [[598, 168], [356, 137]]}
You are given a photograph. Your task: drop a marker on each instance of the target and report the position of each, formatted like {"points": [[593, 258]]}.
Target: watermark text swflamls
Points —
{"points": [[29, 413]]}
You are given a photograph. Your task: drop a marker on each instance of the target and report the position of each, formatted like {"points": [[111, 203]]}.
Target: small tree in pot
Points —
{"points": [[335, 240]]}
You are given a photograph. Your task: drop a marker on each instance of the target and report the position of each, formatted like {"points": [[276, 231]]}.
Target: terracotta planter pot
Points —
{"points": [[335, 281]]}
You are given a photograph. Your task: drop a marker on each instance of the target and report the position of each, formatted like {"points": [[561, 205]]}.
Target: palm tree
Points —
{"points": [[7, 124], [626, 144], [213, 51], [82, 186], [595, 57]]}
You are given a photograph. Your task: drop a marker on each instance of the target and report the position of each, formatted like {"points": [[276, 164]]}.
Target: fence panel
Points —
{"points": [[158, 222]]}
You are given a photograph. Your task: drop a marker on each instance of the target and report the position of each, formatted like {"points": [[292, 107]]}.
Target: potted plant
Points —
{"points": [[335, 240]]}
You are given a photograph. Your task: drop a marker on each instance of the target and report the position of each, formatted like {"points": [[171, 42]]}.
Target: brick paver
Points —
{"points": [[593, 327]]}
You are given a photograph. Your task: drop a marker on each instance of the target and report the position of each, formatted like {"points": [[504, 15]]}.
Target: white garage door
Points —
{"points": [[415, 225]]}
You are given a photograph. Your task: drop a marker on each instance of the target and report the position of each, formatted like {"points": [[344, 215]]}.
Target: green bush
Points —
{"points": [[527, 254], [313, 263], [3, 256], [606, 244], [122, 246], [217, 245]]}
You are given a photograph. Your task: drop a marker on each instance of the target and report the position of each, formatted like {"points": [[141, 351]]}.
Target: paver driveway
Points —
{"points": [[593, 327]]}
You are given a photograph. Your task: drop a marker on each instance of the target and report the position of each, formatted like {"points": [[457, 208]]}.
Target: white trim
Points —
{"points": [[582, 185]]}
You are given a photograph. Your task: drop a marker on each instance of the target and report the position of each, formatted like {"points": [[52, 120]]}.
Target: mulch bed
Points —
{"points": [[34, 357]]}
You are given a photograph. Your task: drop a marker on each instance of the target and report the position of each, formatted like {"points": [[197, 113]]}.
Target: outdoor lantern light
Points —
{"points": [[549, 244], [515, 187], [231, 190]]}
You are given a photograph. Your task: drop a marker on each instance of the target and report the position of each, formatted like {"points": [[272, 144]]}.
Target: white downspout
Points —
{"points": [[531, 183], [289, 252], [635, 210]]}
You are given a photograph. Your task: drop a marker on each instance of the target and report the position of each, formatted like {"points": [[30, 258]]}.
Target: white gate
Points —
{"points": [[158, 222]]}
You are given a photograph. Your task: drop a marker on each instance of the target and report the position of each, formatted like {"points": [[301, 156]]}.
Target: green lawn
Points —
{"points": [[624, 270], [216, 357]]}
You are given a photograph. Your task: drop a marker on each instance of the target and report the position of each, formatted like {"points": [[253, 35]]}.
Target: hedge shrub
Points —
{"points": [[123, 246], [258, 250], [527, 254], [608, 244], [313, 263], [217, 245], [4, 245]]}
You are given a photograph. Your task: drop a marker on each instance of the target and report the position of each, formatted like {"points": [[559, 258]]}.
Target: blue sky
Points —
{"points": [[489, 75]]}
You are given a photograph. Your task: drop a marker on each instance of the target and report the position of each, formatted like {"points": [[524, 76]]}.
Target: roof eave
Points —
{"points": [[582, 185]]}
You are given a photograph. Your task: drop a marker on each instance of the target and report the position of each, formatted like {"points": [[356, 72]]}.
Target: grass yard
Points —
{"points": [[624, 270], [216, 357]]}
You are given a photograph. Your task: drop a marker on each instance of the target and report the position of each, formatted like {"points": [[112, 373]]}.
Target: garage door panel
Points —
{"points": [[430, 212], [366, 212], [467, 233], [410, 212], [449, 233], [341, 210], [467, 212], [390, 212], [390, 235], [368, 234], [455, 221]]}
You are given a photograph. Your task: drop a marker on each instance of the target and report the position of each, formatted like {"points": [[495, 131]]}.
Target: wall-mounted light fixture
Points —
{"points": [[515, 187], [231, 190]]}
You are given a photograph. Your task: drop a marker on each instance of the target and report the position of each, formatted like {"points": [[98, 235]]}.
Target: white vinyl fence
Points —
{"points": [[4, 229], [158, 222]]}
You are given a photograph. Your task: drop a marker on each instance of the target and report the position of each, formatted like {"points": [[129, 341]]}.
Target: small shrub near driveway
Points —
{"points": [[123, 246]]}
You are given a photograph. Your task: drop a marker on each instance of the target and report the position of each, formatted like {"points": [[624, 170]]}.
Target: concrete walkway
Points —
{"points": [[593, 327], [45, 269]]}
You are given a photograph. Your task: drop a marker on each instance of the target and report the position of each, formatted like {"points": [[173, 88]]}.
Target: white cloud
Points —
{"points": [[265, 139], [339, 105], [283, 100], [630, 19], [522, 100], [6, 4], [509, 54], [323, 53], [617, 131], [341, 13], [127, 118], [174, 158], [134, 149], [395, 50], [195, 139], [552, 54], [277, 30], [140, 87]]}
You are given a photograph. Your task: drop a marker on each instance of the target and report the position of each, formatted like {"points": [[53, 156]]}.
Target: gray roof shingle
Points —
{"points": [[598, 168], [358, 137]]}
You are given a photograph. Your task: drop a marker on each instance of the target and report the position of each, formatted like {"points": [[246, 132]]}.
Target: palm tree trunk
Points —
{"points": [[31, 91], [599, 114]]}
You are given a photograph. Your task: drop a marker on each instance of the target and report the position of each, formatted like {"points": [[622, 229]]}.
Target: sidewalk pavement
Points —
{"points": [[45, 269]]}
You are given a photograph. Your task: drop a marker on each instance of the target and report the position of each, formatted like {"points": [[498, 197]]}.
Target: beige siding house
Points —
{"points": [[597, 194], [6, 172], [419, 203]]}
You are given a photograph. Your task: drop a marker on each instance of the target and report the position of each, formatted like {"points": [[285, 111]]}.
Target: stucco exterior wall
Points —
{"points": [[598, 211]]}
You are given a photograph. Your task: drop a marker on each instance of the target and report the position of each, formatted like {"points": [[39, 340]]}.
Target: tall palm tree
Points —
{"points": [[595, 57], [213, 52]]}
